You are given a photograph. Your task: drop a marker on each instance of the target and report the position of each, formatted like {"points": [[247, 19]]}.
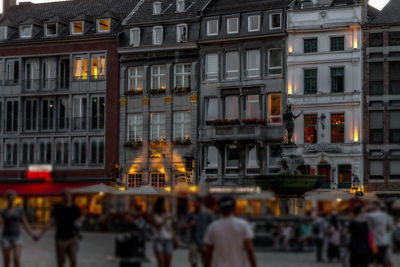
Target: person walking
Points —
{"points": [[229, 239], [65, 216], [320, 226], [163, 242], [11, 242], [360, 251], [334, 233]]}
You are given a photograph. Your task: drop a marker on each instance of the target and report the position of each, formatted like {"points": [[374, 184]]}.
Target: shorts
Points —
{"points": [[381, 257], [195, 251], [11, 241], [67, 248], [163, 245]]}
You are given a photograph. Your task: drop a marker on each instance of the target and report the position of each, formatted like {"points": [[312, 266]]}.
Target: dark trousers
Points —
{"points": [[359, 260], [319, 244]]}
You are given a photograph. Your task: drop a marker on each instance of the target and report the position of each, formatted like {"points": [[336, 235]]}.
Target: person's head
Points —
{"points": [[357, 211], [67, 196], [227, 205], [159, 206], [10, 197]]}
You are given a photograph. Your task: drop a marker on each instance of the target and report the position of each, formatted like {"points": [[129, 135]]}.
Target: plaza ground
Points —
{"points": [[95, 247]]}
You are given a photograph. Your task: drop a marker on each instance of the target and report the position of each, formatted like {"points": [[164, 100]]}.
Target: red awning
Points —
{"points": [[41, 189]]}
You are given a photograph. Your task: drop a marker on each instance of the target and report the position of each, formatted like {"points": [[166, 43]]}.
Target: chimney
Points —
{"points": [[7, 4]]}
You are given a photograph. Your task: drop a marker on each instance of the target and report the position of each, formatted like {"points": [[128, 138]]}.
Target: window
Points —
{"points": [[79, 152], [96, 151], [311, 129], [157, 35], [134, 179], [48, 77], [180, 5], [337, 128], [275, 157], [211, 159], [12, 72], [158, 179], [337, 80], [232, 25], [310, 81], [394, 126], [62, 114], [395, 169], [135, 37], [135, 81], [253, 107], [103, 25], [376, 78], [156, 8], [253, 23], [157, 126], [337, 43], [232, 65], [344, 176], [394, 77], [231, 107], [51, 29], [77, 27], [275, 21], [12, 116], [182, 75], [212, 67], [30, 118], [376, 170], [11, 155], [64, 73], [181, 33], [159, 77], [182, 121], [26, 31], [311, 45], [80, 112], [274, 61], [394, 38], [3, 33], [135, 127], [212, 27], [97, 116], [376, 39], [28, 153], [211, 110], [376, 127], [253, 162], [232, 158], [274, 108], [80, 68], [253, 63], [98, 67], [44, 153], [62, 152], [47, 117], [29, 82]]}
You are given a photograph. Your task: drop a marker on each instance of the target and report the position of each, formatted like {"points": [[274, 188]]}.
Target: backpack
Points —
{"points": [[396, 235]]}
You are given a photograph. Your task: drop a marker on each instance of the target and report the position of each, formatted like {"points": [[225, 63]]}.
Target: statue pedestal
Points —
{"points": [[289, 149]]}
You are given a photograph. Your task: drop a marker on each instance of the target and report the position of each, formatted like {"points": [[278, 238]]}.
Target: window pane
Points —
{"points": [[231, 107], [232, 65], [253, 107], [337, 80], [212, 157], [232, 157], [104, 25], [274, 111], [212, 66], [233, 25], [253, 159], [310, 45], [310, 129], [337, 43], [376, 169], [344, 176], [275, 20], [254, 23], [310, 81], [212, 109], [253, 63], [337, 128]]}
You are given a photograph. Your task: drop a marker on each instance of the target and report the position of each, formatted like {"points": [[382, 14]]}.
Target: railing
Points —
{"points": [[11, 82], [62, 123], [47, 124], [376, 136], [31, 84], [79, 123], [97, 123], [49, 84], [30, 125]]}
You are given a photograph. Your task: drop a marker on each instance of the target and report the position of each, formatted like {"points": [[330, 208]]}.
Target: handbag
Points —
{"points": [[372, 243]]}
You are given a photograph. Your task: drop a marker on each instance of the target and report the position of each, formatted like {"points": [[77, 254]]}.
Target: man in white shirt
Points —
{"points": [[229, 239]]}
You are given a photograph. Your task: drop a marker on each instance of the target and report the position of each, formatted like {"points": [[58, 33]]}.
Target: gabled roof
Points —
{"points": [[57, 19], [82, 17], [8, 22], [389, 15], [31, 21]]}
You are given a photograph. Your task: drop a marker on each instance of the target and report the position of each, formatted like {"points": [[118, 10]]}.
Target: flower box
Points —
{"points": [[158, 142], [133, 144], [133, 92], [226, 122], [180, 90], [254, 121], [157, 91], [183, 142]]}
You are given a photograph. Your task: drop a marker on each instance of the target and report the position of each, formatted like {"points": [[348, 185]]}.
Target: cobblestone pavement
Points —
{"points": [[95, 247]]}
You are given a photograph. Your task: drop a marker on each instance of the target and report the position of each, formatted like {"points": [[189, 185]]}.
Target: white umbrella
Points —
{"points": [[329, 195], [95, 189], [146, 190], [261, 196]]}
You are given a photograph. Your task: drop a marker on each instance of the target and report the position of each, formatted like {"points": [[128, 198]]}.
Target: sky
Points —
{"points": [[378, 4], [33, 1]]}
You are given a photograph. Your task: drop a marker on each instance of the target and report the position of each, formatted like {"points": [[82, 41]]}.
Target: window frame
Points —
{"points": [[73, 28], [51, 114], [179, 35], [31, 115], [210, 168], [5, 33], [136, 77], [13, 153], [155, 28], [46, 30], [82, 112], [209, 33], [99, 58], [161, 126], [81, 77], [315, 125], [46, 145], [207, 104], [29, 154], [180, 3], [226, 105], [237, 169], [98, 25], [338, 125], [184, 125], [100, 157], [258, 23], [228, 28], [271, 117], [258, 155], [252, 101], [333, 45], [97, 123], [255, 69], [157, 8], [231, 72], [137, 125], [269, 63], [65, 149], [280, 21], [21, 31], [82, 152], [207, 73], [310, 50], [157, 179], [132, 41], [183, 74], [159, 76], [307, 90], [332, 77], [134, 180]]}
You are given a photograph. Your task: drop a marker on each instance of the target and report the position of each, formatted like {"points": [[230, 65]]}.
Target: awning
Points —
{"points": [[41, 189], [95, 189]]}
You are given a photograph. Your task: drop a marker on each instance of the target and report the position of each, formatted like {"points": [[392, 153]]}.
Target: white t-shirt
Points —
{"points": [[165, 231], [227, 236], [379, 222]]}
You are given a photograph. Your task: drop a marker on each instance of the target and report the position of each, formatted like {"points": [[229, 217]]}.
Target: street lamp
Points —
{"points": [[356, 186]]}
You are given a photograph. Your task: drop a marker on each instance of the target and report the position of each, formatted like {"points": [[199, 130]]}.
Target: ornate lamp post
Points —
{"points": [[356, 186]]}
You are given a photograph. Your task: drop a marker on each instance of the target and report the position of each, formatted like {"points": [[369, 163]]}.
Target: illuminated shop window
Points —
{"points": [[134, 179], [80, 68], [310, 129], [98, 67], [158, 179], [337, 128]]}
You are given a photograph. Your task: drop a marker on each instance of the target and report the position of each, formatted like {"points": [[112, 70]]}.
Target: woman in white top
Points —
{"points": [[163, 243]]}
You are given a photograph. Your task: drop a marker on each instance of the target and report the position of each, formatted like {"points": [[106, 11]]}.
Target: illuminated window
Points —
{"points": [[337, 43], [310, 81], [394, 123], [211, 110], [274, 108], [253, 159], [156, 8], [180, 5], [79, 152], [274, 61], [28, 153], [182, 121], [253, 107], [44, 152], [181, 33], [158, 179], [232, 65], [212, 27], [135, 127], [231, 107], [310, 129], [232, 25], [97, 113], [159, 77], [182, 75], [26, 31], [80, 68], [135, 37], [62, 152], [98, 67], [157, 35], [134, 179], [103, 25], [337, 128], [47, 115], [11, 154], [253, 63], [376, 170], [135, 80], [77, 27], [253, 23], [51, 29], [211, 159], [212, 67], [344, 176], [232, 158], [337, 80], [3, 33], [157, 126], [96, 151], [311, 45]]}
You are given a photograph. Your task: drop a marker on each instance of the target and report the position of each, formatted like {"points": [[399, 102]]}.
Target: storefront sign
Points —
{"points": [[232, 190], [324, 147], [39, 172]]}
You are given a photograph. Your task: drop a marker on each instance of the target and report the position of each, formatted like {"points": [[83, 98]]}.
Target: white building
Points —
{"points": [[324, 81]]}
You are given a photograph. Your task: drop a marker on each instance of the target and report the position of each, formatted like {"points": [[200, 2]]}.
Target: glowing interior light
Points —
{"points": [[290, 49], [290, 89]]}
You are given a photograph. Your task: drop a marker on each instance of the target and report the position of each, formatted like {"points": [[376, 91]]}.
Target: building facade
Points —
{"points": [[159, 84], [382, 100], [241, 90], [324, 87]]}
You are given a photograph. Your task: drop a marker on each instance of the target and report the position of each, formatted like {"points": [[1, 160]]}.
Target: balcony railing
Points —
{"points": [[97, 123], [11, 82], [79, 123], [376, 136], [31, 84]]}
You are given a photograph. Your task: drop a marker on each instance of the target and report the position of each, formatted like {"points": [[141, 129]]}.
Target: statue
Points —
{"points": [[288, 121]]}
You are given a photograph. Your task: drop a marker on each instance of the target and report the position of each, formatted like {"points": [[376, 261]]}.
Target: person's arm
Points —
{"points": [[45, 228], [27, 227], [248, 245], [210, 251]]}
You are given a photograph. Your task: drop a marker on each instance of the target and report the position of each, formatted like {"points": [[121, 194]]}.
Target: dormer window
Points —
{"points": [[181, 33], [103, 25], [275, 21], [254, 23], [3, 33], [26, 31], [180, 5], [135, 37], [51, 29], [156, 8], [77, 27], [212, 27], [157, 35]]}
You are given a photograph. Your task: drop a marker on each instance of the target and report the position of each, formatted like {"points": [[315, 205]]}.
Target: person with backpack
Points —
{"points": [[320, 226], [360, 251]]}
